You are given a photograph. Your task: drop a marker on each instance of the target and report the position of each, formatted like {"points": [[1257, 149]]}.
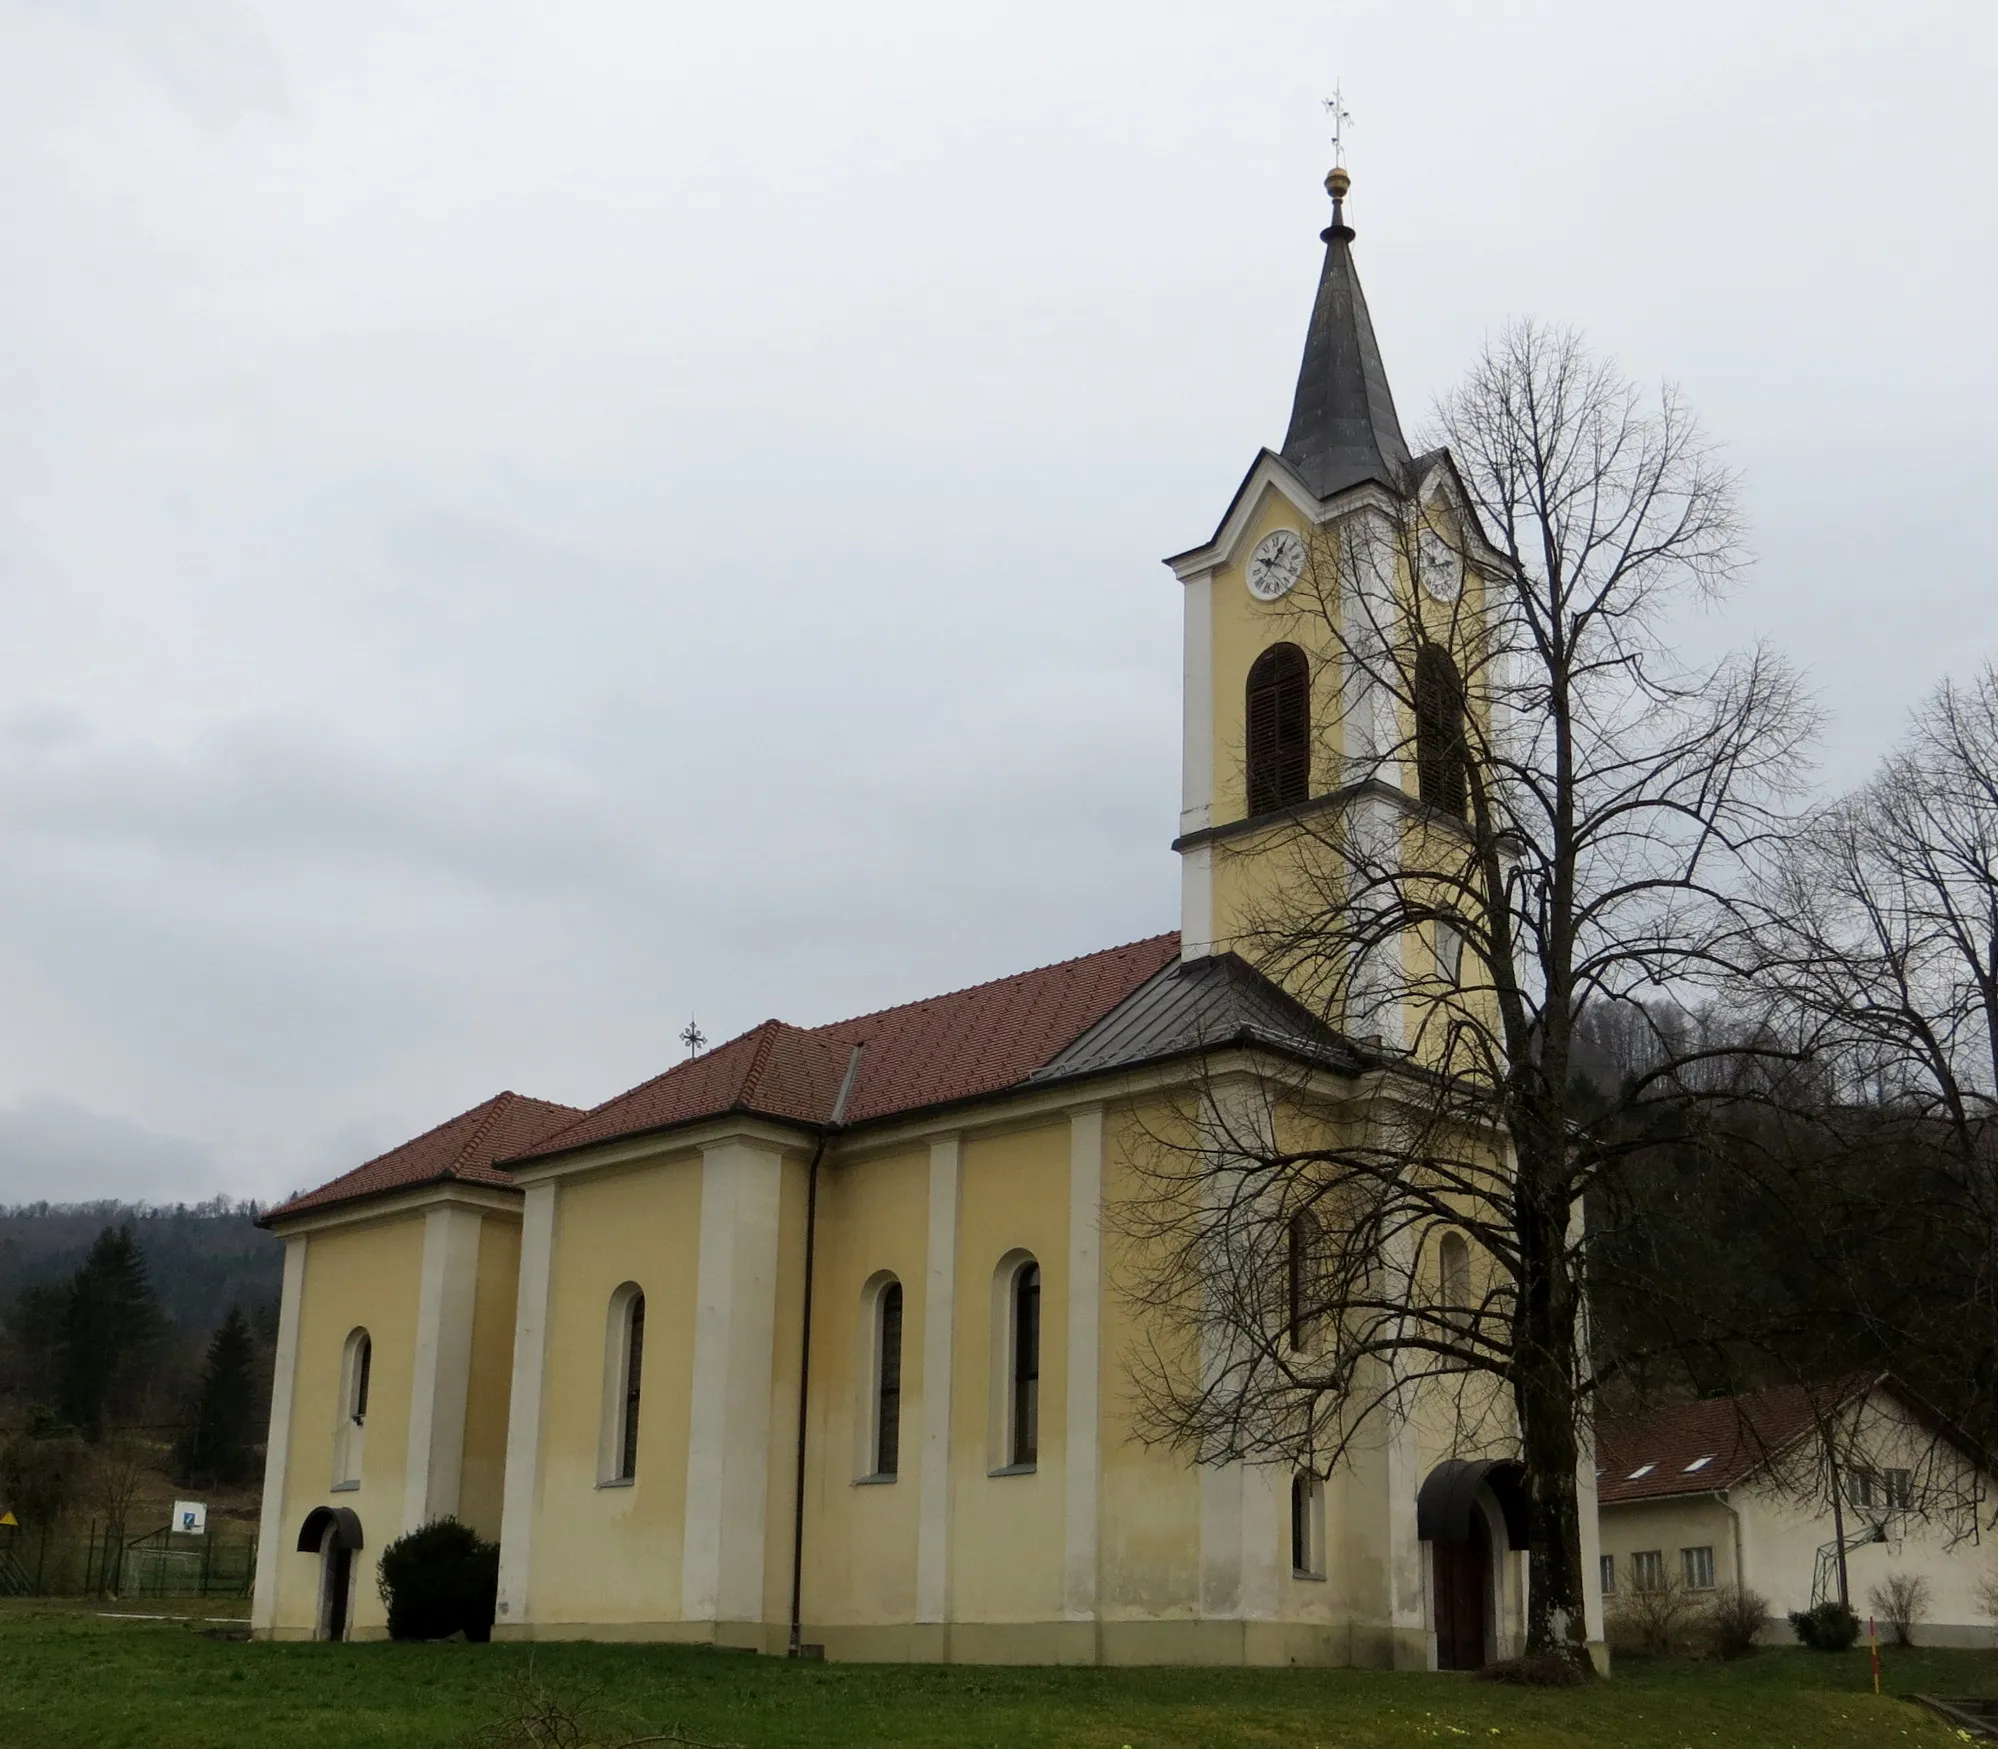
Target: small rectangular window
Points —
{"points": [[1861, 1487], [1647, 1570], [1699, 1568], [1900, 1489], [1607, 1566]]}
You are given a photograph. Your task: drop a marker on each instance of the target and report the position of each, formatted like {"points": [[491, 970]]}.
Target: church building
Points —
{"points": [[817, 1340]]}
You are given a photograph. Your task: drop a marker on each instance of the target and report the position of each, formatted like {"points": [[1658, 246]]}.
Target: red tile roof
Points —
{"points": [[463, 1148], [924, 1053], [1735, 1435]]}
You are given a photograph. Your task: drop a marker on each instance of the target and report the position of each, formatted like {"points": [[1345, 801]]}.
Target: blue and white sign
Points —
{"points": [[190, 1517]]}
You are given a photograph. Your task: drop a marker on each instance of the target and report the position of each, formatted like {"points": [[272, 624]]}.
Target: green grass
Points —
{"points": [[70, 1680]]}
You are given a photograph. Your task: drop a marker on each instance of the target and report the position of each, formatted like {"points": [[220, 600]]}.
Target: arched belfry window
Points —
{"points": [[624, 1373], [1441, 757], [1277, 729]]}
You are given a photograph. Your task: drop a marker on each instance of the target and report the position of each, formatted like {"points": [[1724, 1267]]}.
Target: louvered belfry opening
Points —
{"points": [[1441, 757], [1279, 729]]}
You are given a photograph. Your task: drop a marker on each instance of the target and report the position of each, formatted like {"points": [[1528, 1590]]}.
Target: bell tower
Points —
{"points": [[1285, 723]]}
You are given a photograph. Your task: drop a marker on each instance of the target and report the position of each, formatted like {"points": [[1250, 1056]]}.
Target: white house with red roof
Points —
{"points": [[1774, 1491], [816, 1340]]}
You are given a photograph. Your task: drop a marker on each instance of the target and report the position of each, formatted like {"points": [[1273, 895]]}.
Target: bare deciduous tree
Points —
{"points": [[1539, 809]]}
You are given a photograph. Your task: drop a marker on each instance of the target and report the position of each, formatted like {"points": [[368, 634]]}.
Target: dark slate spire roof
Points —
{"points": [[1343, 429]]}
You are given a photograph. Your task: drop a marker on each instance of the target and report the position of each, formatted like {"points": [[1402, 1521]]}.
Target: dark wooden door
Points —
{"points": [[339, 1581], [1462, 1572]]}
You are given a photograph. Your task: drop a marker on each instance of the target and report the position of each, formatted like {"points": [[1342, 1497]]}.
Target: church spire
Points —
{"points": [[1343, 428]]}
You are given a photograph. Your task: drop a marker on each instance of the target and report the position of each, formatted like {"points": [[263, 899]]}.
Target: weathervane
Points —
{"points": [[692, 1037]]}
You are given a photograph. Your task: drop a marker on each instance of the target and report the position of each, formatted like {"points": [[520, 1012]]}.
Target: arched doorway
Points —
{"points": [[333, 1533], [1451, 1516]]}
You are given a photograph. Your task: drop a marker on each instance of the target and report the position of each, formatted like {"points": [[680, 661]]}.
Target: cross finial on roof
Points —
{"points": [[1336, 180], [1342, 119], [692, 1037]]}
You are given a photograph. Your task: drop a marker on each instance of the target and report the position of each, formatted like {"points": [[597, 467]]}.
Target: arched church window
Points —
{"points": [[1453, 1283], [349, 1435], [624, 1373], [887, 1452], [1026, 1364], [1278, 729], [1441, 757]]}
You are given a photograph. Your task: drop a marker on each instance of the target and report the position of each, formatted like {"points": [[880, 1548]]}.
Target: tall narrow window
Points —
{"points": [[888, 1380], [634, 1371], [364, 1365], [1303, 1273], [1026, 1364], [1441, 759], [1278, 729], [624, 1378], [1453, 1285], [350, 1431], [1307, 1526]]}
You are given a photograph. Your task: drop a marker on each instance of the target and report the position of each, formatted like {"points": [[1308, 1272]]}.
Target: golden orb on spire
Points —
{"points": [[1337, 182]]}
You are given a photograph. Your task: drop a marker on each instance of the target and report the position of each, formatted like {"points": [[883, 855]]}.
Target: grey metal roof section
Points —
{"points": [[1196, 1005], [1343, 428]]}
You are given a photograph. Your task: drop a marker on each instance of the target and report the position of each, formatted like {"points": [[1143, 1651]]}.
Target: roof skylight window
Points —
{"points": [[1699, 1463], [1638, 1474]]}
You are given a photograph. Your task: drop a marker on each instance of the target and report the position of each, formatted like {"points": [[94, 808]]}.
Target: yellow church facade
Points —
{"points": [[819, 1340]]}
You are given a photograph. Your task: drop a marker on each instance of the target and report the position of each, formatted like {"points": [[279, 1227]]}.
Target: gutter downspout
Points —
{"points": [[796, 1648]]}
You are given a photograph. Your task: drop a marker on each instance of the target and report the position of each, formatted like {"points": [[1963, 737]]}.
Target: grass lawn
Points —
{"points": [[72, 1680]]}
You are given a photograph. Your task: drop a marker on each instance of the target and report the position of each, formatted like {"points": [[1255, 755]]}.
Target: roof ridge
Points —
{"points": [[991, 983], [496, 1107], [759, 1062], [421, 1136]]}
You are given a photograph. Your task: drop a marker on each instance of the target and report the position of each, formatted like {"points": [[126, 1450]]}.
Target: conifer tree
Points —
{"points": [[218, 1448], [111, 1331]]}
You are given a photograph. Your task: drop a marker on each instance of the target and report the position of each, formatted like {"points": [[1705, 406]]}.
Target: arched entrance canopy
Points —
{"points": [[346, 1529], [1448, 1498]]}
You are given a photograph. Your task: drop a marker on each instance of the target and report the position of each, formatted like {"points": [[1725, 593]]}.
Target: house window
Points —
{"points": [[624, 1371], [1303, 1249], [1026, 1443], [1278, 729], [1441, 759], [1307, 1526], [1647, 1570], [1607, 1566], [1900, 1489], [1698, 1566], [887, 1452], [357, 1363], [1862, 1487]]}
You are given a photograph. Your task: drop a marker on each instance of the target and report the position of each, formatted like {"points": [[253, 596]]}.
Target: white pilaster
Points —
{"points": [[523, 1422], [939, 1325], [446, 1296], [728, 1440], [1196, 902], [1082, 1432], [277, 1447]]}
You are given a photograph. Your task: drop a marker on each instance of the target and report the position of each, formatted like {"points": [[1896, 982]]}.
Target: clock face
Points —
{"points": [[1437, 563], [1276, 564]]}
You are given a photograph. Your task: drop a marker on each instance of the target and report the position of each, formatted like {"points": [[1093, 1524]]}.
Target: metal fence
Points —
{"points": [[159, 1563]]}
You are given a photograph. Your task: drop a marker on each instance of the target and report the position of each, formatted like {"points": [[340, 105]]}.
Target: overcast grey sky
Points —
{"points": [[520, 523]]}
